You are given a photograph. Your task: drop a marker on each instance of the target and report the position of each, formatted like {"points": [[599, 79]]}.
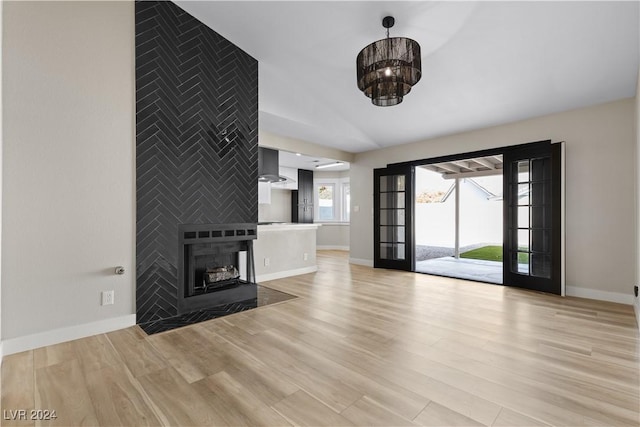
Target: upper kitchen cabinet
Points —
{"points": [[302, 200], [305, 187]]}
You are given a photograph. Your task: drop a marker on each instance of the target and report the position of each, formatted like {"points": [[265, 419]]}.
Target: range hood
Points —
{"points": [[269, 165]]}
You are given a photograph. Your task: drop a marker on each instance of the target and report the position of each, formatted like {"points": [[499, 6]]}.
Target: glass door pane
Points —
{"points": [[530, 210], [392, 214], [392, 232]]}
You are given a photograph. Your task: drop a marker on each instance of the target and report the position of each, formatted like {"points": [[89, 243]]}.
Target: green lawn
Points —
{"points": [[492, 253], [489, 253]]}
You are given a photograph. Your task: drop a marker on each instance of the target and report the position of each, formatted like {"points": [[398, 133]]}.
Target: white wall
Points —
{"points": [[285, 247], [279, 142], [279, 209], [69, 187], [321, 174], [636, 304], [333, 236], [1, 138], [600, 189], [480, 219]]}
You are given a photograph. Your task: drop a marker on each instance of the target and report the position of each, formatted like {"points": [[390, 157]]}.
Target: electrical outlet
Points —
{"points": [[107, 297], [266, 262], [305, 256]]}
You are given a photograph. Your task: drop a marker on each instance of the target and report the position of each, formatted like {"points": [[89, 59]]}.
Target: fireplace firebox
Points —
{"points": [[210, 264]]}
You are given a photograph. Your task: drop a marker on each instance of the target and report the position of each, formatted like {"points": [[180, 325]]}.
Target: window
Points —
{"points": [[326, 205], [332, 199]]}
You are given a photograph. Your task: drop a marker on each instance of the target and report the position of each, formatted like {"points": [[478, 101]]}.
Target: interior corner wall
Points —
{"points": [[636, 304], [1, 9], [600, 202], [68, 199]]}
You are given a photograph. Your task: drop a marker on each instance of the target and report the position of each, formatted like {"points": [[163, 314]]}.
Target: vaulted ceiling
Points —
{"points": [[483, 63]]}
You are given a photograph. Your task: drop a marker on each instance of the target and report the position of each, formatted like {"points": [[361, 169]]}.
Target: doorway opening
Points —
{"points": [[459, 218]]}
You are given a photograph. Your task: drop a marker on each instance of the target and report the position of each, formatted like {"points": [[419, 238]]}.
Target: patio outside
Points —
{"points": [[478, 252]]}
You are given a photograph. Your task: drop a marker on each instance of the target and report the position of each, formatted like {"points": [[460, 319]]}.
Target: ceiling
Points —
{"points": [[483, 63], [301, 161]]}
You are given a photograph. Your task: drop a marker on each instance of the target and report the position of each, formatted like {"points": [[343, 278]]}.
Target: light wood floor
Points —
{"points": [[359, 347]]}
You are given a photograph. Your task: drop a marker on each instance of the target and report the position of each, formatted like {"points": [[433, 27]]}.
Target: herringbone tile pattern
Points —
{"points": [[196, 142]]}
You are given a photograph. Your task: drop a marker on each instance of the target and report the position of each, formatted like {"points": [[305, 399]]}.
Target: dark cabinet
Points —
{"points": [[302, 198]]}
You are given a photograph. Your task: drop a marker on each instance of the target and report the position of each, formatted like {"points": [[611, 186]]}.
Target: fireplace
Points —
{"points": [[215, 265]]}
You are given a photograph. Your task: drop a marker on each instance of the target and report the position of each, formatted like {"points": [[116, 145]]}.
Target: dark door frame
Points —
{"points": [[558, 195], [392, 259]]}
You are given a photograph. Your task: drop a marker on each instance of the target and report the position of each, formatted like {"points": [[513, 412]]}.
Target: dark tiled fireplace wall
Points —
{"points": [[196, 142]]}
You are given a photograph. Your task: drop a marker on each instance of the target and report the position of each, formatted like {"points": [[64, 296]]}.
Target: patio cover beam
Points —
{"points": [[472, 174]]}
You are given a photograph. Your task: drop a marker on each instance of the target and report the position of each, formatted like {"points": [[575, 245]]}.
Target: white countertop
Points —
{"points": [[287, 226]]}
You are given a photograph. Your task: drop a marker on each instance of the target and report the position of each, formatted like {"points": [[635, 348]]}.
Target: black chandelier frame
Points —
{"points": [[387, 69]]}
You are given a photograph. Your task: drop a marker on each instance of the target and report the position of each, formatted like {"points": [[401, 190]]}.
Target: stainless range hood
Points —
{"points": [[269, 165]]}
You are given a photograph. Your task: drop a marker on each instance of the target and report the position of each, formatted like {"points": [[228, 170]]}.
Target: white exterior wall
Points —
{"points": [[480, 219]]}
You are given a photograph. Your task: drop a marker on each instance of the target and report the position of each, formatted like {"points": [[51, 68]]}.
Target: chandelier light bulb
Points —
{"points": [[387, 72]]}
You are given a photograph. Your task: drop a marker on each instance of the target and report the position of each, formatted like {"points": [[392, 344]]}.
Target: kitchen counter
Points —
{"points": [[279, 226], [284, 250]]}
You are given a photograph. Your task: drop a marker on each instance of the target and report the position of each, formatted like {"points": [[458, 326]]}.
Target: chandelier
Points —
{"points": [[388, 68]]}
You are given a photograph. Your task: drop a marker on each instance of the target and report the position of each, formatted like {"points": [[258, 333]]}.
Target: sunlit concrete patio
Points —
{"points": [[463, 268]]}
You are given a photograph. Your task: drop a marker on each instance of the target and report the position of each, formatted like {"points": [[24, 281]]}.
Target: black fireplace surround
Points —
{"points": [[212, 246], [196, 152]]}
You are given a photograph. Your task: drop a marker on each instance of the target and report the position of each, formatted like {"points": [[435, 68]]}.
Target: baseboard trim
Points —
{"points": [[1, 353], [358, 261], [57, 336], [636, 308], [286, 273], [573, 291], [332, 248]]}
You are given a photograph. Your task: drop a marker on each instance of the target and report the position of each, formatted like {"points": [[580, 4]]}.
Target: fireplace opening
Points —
{"points": [[211, 266], [216, 265]]}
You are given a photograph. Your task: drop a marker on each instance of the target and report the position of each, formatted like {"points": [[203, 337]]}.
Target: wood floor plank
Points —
{"points": [[63, 387], [509, 418], [402, 401], [438, 415], [136, 352], [366, 412], [18, 388], [561, 398], [118, 398], [176, 401], [252, 373], [322, 383], [301, 409], [95, 353], [237, 404], [50, 355], [189, 353], [358, 346]]}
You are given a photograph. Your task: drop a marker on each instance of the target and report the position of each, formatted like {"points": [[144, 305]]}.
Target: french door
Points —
{"points": [[532, 221], [532, 251], [393, 218]]}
